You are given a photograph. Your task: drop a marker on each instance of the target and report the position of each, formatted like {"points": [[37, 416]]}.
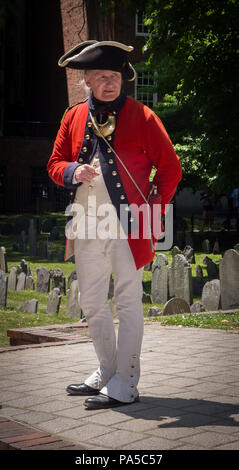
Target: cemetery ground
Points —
{"points": [[11, 318]]}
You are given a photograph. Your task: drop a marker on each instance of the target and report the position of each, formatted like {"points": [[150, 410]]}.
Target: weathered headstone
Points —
{"points": [[211, 295], [206, 246], [199, 271], [229, 278], [212, 268], [182, 278], [21, 283], [189, 254], [43, 280], [197, 283], [58, 280], [175, 306], [159, 286], [3, 289], [72, 303], [3, 259], [54, 301], [236, 247], [153, 311], [23, 266], [12, 280], [146, 298], [71, 277], [197, 307], [30, 284], [32, 238], [216, 248], [29, 306], [176, 251]]}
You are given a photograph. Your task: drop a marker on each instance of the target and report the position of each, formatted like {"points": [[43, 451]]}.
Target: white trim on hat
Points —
{"points": [[65, 59]]}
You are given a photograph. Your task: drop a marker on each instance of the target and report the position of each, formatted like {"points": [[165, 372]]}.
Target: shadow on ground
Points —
{"points": [[181, 412]]}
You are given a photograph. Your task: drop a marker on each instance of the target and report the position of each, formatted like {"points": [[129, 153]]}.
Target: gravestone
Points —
{"points": [[197, 285], [29, 306], [211, 295], [229, 278], [58, 280], [176, 306], [72, 303], [21, 283], [3, 259], [146, 298], [159, 286], [206, 246], [212, 269], [216, 249], [12, 280], [153, 312], [236, 247], [181, 278], [43, 280], [199, 271], [32, 238], [3, 289], [54, 301], [30, 284], [176, 251], [23, 266], [189, 254], [71, 277], [197, 307]]}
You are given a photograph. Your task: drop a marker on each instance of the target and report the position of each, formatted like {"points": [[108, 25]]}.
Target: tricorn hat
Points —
{"points": [[100, 55]]}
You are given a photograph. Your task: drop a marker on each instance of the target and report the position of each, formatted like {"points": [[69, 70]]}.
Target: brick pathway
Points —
{"points": [[188, 389]]}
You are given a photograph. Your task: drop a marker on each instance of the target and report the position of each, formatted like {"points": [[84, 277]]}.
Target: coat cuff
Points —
{"points": [[69, 174]]}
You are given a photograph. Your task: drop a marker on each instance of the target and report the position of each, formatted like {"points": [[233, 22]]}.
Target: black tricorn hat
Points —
{"points": [[100, 55]]}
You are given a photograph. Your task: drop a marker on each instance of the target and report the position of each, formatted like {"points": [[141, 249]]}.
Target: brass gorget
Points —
{"points": [[106, 129]]}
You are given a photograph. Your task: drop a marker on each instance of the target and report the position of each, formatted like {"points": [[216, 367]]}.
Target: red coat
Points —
{"points": [[141, 142]]}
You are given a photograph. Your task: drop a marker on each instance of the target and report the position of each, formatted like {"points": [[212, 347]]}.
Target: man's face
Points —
{"points": [[105, 84]]}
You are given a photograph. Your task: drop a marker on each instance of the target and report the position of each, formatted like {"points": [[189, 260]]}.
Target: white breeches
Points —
{"points": [[119, 364]]}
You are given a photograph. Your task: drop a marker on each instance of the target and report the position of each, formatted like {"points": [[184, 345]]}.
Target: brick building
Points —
{"points": [[34, 91]]}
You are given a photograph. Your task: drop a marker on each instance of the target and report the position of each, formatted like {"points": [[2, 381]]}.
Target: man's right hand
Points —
{"points": [[85, 174]]}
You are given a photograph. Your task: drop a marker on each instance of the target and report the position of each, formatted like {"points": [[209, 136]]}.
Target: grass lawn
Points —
{"points": [[11, 318]]}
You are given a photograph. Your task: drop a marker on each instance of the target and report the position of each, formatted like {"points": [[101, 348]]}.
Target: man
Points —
{"points": [[104, 153]]}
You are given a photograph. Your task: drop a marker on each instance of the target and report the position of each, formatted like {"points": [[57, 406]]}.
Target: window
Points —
{"points": [[144, 92], [140, 28]]}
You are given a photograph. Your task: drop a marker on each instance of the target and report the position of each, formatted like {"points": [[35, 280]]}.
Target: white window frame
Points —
{"points": [[140, 28], [151, 97]]}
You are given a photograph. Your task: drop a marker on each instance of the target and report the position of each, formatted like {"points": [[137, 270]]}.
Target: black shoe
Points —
{"points": [[81, 389], [103, 401]]}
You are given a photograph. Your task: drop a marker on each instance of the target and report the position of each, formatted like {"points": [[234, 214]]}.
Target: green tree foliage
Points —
{"points": [[194, 46]]}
